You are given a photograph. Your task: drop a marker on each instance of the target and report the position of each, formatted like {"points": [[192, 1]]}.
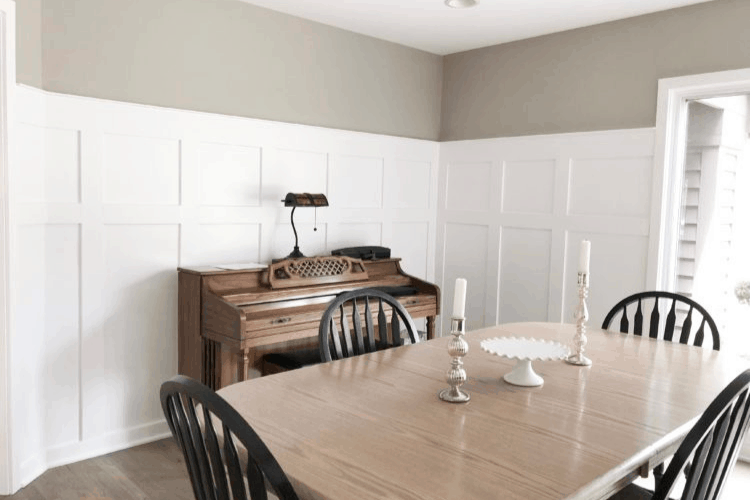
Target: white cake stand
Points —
{"points": [[525, 350]]}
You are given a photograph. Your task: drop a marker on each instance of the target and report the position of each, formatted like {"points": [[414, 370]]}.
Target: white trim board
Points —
{"points": [[8, 467], [669, 157]]}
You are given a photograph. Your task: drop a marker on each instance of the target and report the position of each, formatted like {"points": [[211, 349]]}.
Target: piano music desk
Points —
{"points": [[228, 319]]}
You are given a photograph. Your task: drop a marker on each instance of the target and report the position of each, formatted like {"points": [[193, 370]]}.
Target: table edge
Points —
{"points": [[637, 465]]}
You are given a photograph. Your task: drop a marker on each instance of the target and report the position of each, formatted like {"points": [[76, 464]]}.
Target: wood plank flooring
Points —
{"points": [[156, 471]]}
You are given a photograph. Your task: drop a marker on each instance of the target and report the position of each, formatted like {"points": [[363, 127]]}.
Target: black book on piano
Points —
{"points": [[364, 253]]}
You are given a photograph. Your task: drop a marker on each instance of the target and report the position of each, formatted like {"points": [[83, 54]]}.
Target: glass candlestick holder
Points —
{"points": [[581, 316], [456, 376]]}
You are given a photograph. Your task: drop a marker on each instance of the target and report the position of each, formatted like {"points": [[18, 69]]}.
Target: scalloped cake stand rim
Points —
{"points": [[523, 373]]}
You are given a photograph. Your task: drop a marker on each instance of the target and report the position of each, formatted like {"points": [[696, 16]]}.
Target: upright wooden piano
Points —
{"points": [[227, 319]]}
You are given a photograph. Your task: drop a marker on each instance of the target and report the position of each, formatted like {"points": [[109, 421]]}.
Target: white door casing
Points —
{"points": [[669, 159]]}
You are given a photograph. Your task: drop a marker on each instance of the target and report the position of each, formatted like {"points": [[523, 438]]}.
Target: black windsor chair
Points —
{"points": [[215, 469], [708, 452]]}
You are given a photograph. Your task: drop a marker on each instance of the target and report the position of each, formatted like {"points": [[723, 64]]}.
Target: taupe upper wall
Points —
{"points": [[597, 78], [229, 57], [29, 42]]}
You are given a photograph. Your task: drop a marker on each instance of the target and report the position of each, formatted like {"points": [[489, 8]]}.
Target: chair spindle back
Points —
{"points": [[709, 451], [215, 468], [342, 335], [696, 314]]}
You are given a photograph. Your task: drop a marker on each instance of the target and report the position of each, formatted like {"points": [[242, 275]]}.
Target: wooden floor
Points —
{"points": [[156, 471], [151, 471]]}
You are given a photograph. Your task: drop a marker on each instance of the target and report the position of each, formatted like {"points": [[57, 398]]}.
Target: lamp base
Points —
{"points": [[296, 254]]}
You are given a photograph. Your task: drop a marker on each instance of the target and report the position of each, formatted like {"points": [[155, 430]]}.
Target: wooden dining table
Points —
{"points": [[373, 427]]}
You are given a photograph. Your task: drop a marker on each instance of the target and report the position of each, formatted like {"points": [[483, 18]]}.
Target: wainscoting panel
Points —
{"points": [[47, 327], [406, 237], [408, 185], [538, 197], [110, 198], [630, 176], [347, 234], [225, 243], [468, 186], [138, 337], [140, 170], [230, 175], [466, 257], [356, 182], [617, 269], [290, 171], [52, 172], [528, 186], [524, 267]]}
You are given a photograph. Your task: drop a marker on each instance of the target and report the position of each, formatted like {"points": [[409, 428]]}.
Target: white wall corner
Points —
{"points": [[8, 470]]}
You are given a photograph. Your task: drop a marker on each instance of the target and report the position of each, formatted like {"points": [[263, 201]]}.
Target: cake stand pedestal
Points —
{"points": [[525, 350]]}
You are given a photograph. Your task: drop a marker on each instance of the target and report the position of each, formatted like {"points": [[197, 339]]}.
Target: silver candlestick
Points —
{"points": [[456, 376], [581, 316]]}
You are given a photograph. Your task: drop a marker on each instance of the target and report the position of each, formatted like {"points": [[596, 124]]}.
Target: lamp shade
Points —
{"points": [[295, 200], [305, 200]]}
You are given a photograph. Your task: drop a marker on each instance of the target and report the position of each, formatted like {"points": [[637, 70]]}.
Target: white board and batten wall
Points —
{"points": [[110, 198], [512, 213]]}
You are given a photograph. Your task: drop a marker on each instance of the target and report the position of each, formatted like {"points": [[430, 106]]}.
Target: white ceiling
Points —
{"points": [[431, 26]]}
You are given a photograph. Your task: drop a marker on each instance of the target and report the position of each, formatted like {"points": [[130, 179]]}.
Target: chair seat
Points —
{"points": [[632, 492], [277, 362], [293, 359], [635, 492], [397, 291]]}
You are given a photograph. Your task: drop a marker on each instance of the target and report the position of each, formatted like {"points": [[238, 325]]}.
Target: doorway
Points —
{"points": [[711, 259], [699, 226]]}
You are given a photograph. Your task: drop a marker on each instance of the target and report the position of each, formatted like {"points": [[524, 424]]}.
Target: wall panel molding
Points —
{"points": [[545, 193], [129, 192], [516, 211]]}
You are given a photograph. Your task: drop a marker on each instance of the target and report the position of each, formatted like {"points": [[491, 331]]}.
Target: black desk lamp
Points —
{"points": [[295, 200]]}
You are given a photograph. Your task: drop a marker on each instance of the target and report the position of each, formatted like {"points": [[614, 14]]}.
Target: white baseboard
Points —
{"points": [[83, 450], [31, 469]]}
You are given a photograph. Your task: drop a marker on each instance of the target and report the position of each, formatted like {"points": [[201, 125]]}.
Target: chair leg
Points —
{"points": [[658, 474]]}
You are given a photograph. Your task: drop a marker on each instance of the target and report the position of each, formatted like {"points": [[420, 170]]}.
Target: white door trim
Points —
{"points": [[7, 85], [669, 157]]}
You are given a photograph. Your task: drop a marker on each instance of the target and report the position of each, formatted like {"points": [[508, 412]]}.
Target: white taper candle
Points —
{"points": [[459, 298], [584, 257]]}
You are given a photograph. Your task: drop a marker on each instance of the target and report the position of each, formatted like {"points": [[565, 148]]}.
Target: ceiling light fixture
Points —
{"points": [[461, 4]]}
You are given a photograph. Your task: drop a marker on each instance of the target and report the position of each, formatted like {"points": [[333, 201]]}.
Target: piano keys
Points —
{"points": [[227, 319]]}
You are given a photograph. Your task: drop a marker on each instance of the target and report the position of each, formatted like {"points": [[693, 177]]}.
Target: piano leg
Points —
{"points": [[430, 327], [243, 360]]}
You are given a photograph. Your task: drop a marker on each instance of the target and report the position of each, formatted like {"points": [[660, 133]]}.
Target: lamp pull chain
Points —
{"points": [[315, 226]]}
